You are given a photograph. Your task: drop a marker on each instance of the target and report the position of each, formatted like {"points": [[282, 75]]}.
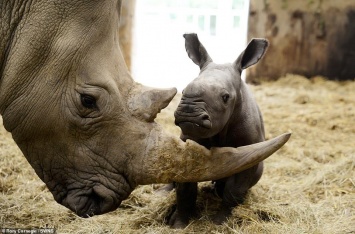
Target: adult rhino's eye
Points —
{"points": [[225, 98], [88, 101]]}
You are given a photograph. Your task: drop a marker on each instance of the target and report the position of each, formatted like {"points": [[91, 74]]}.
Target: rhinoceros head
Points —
{"points": [[79, 118], [209, 100]]}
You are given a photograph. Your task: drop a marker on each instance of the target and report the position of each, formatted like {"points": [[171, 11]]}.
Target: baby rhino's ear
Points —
{"points": [[252, 54], [196, 51]]}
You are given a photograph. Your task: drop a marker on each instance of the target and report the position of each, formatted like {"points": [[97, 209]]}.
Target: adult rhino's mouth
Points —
{"points": [[95, 201]]}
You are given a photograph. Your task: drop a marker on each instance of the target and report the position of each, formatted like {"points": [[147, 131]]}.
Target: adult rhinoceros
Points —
{"points": [[81, 121]]}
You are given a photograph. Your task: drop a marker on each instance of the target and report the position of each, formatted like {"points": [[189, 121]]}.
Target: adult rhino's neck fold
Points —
{"points": [[11, 14]]}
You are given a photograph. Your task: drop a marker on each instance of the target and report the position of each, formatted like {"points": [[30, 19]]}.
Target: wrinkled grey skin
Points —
{"points": [[217, 109], [79, 118]]}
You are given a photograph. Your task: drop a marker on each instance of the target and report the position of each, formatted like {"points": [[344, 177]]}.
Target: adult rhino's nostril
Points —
{"points": [[205, 117]]}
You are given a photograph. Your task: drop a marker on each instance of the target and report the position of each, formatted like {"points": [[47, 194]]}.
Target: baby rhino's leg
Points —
{"points": [[186, 194], [165, 189], [235, 190]]}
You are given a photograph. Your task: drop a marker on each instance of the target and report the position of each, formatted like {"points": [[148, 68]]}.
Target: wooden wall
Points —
{"points": [[308, 37], [126, 28]]}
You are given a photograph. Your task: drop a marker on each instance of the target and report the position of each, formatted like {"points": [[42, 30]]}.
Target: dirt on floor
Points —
{"points": [[307, 187]]}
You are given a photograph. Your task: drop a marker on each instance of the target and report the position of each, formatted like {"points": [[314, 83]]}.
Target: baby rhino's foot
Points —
{"points": [[179, 220], [221, 216]]}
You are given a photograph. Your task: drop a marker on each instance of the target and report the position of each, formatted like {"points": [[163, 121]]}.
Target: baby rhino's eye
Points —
{"points": [[225, 97], [88, 101]]}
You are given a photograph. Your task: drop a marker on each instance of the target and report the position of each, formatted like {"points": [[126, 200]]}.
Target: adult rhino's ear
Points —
{"points": [[196, 51], [252, 54]]}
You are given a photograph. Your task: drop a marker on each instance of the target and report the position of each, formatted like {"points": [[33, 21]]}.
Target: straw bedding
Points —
{"points": [[307, 187]]}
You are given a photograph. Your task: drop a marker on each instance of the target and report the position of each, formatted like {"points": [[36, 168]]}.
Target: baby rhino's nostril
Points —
{"points": [[205, 121]]}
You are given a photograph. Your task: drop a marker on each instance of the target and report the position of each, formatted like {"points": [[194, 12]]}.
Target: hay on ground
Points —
{"points": [[307, 187]]}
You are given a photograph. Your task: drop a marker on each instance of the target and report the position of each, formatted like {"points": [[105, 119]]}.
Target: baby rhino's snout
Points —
{"points": [[186, 108], [190, 114]]}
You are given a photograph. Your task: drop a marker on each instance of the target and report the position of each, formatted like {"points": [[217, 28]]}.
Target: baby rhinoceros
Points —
{"points": [[217, 109]]}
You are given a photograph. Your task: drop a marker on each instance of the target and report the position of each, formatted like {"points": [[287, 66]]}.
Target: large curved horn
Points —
{"points": [[169, 159]]}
